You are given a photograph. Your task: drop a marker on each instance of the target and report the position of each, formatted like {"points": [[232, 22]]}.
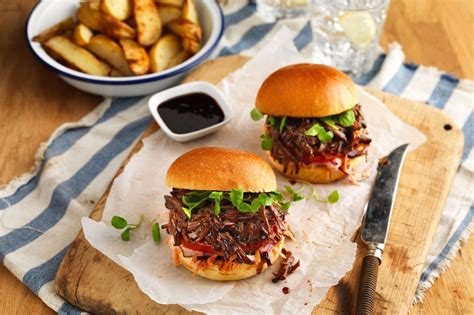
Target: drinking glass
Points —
{"points": [[272, 10], [346, 33]]}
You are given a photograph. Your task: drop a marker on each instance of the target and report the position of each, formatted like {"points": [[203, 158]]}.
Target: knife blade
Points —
{"points": [[376, 224]]}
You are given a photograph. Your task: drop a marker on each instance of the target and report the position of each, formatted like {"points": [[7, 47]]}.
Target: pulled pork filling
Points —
{"points": [[292, 145], [231, 236], [287, 266]]}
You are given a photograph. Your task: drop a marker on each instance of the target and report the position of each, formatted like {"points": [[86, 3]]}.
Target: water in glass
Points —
{"points": [[347, 32], [272, 10]]}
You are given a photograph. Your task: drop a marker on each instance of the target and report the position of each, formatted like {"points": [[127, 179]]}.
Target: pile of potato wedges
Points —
{"points": [[120, 38]]}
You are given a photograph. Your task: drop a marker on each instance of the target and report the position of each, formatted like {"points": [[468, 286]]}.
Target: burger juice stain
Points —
{"points": [[190, 112]]}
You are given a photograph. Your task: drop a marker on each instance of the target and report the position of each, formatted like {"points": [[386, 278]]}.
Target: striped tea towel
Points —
{"points": [[40, 211]]}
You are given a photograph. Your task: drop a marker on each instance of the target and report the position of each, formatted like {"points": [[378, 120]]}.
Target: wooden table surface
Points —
{"points": [[34, 102]]}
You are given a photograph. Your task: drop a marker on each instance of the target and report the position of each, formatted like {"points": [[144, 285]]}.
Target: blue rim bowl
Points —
{"points": [[212, 39]]}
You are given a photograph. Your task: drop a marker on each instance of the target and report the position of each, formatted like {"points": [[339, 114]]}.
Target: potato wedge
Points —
{"points": [[57, 29], [104, 23], [163, 51], [89, 17], [119, 9], [94, 4], [81, 35], [190, 12], [136, 56], [76, 56], [179, 58], [191, 45], [109, 51], [176, 3], [168, 13], [148, 21], [186, 29]]}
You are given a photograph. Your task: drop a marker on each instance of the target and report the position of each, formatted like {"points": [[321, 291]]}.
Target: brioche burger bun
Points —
{"points": [[307, 91], [313, 173], [214, 272], [222, 169]]}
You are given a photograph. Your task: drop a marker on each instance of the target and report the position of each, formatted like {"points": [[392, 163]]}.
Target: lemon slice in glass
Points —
{"points": [[359, 27]]}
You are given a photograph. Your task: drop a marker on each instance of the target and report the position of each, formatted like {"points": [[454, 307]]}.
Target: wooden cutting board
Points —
{"points": [[91, 281]]}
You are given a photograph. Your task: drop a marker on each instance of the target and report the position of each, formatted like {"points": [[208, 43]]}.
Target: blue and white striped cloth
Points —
{"points": [[40, 211]]}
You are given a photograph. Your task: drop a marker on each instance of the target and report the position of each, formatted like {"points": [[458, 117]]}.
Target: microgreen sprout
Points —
{"points": [[333, 197], [267, 142], [255, 114], [121, 224], [155, 230]]}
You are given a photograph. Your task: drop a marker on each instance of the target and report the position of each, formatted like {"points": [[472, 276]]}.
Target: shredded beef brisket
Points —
{"points": [[232, 234], [287, 266], [291, 145]]}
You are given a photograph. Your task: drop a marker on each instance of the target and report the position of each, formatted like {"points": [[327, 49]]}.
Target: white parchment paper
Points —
{"points": [[323, 230]]}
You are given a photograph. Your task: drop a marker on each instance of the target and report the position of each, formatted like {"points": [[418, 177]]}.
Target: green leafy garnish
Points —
{"points": [[217, 197], [155, 230], [285, 206], [255, 205], [325, 136], [118, 222], [193, 200], [294, 195], [255, 114], [271, 121], [126, 234], [265, 200], [236, 197], [346, 118], [314, 130], [333, 197], [239, 200], [188, 212], [330, 122], [277, 196], [318, 130], [267, 142], [121, 223], [282, 123]]}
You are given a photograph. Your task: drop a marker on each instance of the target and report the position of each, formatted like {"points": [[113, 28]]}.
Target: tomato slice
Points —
{"points": [[199, 247], [205, 248], [321, 158]]}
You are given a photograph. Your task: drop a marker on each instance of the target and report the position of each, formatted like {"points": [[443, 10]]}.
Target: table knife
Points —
{"points": [[376, 224]]}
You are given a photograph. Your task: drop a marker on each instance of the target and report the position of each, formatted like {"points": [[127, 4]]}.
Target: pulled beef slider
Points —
{"points": [[315, 130], [239, 237]]}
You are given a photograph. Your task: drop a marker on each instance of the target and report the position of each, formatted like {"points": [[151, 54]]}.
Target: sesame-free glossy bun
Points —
{"points": [[314, 173], [221, 169], [306, 90], [239, 272]]}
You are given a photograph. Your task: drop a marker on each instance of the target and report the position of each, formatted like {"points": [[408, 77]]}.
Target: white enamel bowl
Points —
{"points": [[47, 13]]}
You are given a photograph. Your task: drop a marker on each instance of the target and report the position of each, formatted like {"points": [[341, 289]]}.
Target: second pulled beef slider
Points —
{"points": [[226, 219], [314, 130]]}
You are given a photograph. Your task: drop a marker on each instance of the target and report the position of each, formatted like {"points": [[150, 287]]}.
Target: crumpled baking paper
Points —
{"points": [[323, 231]]}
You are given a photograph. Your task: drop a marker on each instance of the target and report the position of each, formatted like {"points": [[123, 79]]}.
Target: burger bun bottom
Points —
{"points": [[314, 173], [238, 272]]}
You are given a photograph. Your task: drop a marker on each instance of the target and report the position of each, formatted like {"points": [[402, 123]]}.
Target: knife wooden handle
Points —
{"points": [[367, 285]]}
